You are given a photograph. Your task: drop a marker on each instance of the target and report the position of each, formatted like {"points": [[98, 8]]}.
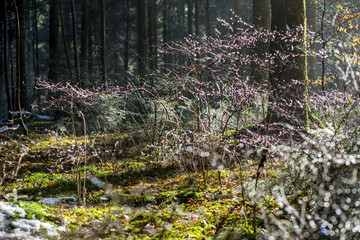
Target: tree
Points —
{"points": [[142, 36], [190, 16], [262, 14], [74, 31], [261, 20], [165, 38], [197, 24], [287, 80], [6, 62], [127, 40], [207, 16], [35, 39], [54, 40], [152, 35], [239, 9], [90, 59], [19, 68], [65, 42], [84, 41], [103, 42], [22, 68], [314, 70]]}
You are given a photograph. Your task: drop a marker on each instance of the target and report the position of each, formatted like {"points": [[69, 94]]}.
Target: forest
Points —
{"points": [[179, 119]]}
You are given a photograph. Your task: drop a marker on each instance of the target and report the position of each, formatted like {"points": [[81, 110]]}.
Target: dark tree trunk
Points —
{"points": [[292, 14], [190, 16], [103, 43], [54, 40], [75, 42], [84, 42], [207, 16], [65, 42], [261, 20], [197, 24], [142, 36], [262, 14], [6, 62], [127, 40], [314, 69], [91, 50], [165, 38], [239, 10], [35, 39], [18, 67], [23, 79], [152, 35]]}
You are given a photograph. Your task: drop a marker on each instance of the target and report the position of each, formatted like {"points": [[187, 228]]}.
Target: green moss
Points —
{"points": [[186, 196], [35, 210]]}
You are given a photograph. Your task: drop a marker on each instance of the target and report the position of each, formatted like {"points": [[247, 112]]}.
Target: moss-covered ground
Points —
{"points": [[129, 193]]}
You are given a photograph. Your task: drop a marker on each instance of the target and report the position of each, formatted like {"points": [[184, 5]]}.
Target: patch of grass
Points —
{"points": [[42, 212]]}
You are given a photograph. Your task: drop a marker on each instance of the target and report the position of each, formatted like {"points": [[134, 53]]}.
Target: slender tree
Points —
{"points": [[55, 40], [84, 41], [6, 62], [239, 7], [142, 36], [152, 35], [190, 16], [65, 42], [19, 68], [311, 12], [207, 18], [91, 54], [75, 42], [103, 43], [197, 12], [21, 44], [261, 20], [127, 40], [262, 14], [165, 28], [35, 39]]}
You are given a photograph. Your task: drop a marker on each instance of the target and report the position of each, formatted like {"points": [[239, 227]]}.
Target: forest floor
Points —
{"points": [[129, 193]]}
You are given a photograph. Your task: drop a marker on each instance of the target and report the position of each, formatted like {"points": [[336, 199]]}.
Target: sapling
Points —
{"points": [[70, 101]]}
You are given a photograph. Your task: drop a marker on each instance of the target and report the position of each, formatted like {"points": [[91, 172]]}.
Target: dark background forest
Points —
{"points": [[110, 37]]}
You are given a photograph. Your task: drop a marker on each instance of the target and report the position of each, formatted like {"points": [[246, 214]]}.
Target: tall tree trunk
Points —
{"points": [[127, 40], [190, 16], [18, 67], [55, 40], [91, 51], [197, 24], [13, 79], [103, 43], [207, 18], [314, 69], [74, 31], [239, 10], [6, 63], [84, 42], [292, 14], [262, 14], [35, 39], [165, 38], [142, 37], [152, 35], [65, 41], [23, 79], [261, 20]]}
